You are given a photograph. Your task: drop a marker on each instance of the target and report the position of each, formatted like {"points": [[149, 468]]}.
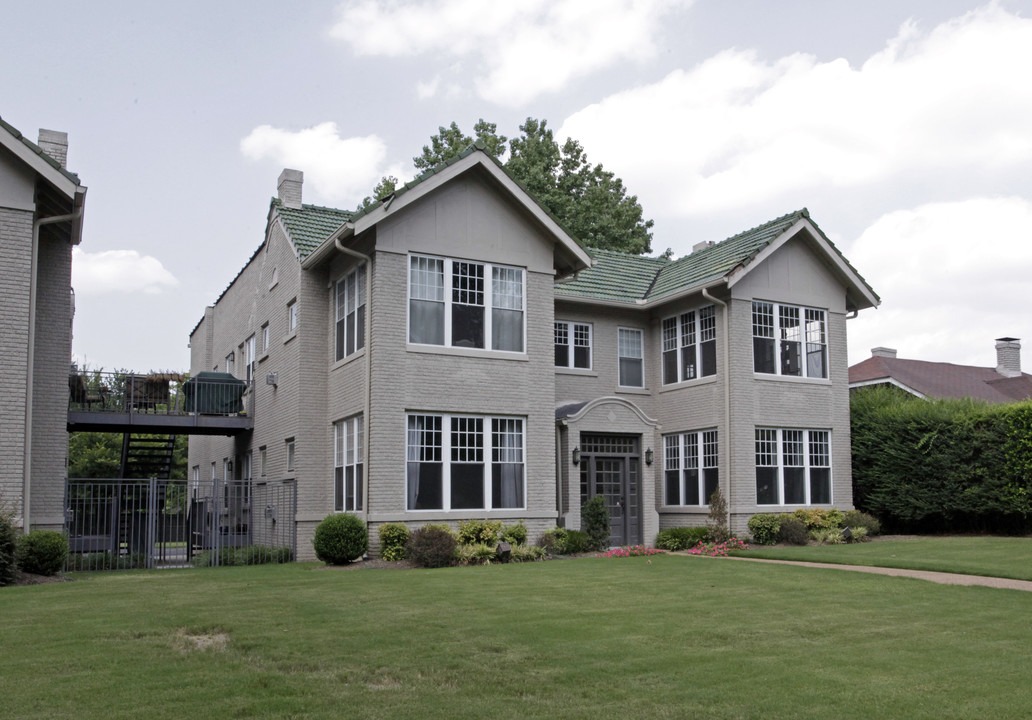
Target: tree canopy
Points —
{"points": [[588, 200]]}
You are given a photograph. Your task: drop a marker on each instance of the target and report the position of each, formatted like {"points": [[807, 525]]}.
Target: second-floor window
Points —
{"points": [[789, 340], [572, 345], [465, 304], [690, 345], [351, 309], [249, 358], [291, 316], [631, 360]]}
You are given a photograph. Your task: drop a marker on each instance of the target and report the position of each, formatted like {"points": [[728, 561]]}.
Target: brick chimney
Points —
{"points": [[289, 187], [54, 144], [883, 352], [702, 245], [1008, 357]]}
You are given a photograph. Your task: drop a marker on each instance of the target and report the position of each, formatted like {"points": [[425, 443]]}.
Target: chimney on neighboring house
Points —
{"points": [[54, 144], [1008, 357], [289, 187], [702, 245], [883, 352]]}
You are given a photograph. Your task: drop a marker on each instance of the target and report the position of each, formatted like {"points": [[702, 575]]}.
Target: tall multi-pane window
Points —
{"points": [[793, 467], [573, 345], [629, 355], [691, 466], [348, 464], [449, 302], [351, 309], [249, 358], [789, 340], [458, 462], [689, 345]]}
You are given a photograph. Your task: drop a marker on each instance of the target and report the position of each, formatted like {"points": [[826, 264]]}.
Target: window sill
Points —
{"points": [[348, 359], [791, 379], [288, 338], [632, 390], [584, 372], [467, 352], [689, 383]]}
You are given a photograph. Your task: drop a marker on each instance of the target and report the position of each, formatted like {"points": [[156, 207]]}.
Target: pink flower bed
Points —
{"points": [[631, 551], [718, 549]]}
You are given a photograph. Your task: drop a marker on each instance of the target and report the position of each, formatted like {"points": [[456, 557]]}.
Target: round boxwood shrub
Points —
{"points": [[431, 547], [340, 538], [42, 552], [393, 537]]}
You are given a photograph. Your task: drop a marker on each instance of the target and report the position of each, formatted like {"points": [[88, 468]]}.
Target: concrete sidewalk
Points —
{"points": [[938, 577]]}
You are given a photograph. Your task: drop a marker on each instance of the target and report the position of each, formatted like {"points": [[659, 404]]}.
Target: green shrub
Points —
{"points": [[680, 538], [819, 518], [595, 523], [42, 552], [793, 531], [475, 554], [562, 541], [515, 534], [716, 523], [340, 538], [854, 519], [765, 528], [240, 556], [86, 562], [8, 547], [393, 537], [827, 536], [431, 546], [485, 532], [859, 534], [526, 553]]}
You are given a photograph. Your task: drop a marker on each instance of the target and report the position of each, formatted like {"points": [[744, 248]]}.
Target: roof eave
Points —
{"points": [[40, 166], [328, 246]]}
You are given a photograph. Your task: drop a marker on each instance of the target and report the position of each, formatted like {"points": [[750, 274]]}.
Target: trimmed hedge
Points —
{"points": [[42, 552], [680, 538], [941, 465]]}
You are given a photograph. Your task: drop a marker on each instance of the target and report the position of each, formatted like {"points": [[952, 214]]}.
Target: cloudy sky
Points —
{"points": [[905, 126]]}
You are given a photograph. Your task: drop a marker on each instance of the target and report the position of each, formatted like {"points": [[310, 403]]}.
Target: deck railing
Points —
{"points": [[156, 393]]}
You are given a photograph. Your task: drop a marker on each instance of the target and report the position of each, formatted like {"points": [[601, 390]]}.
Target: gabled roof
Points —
{"points": [[43, 164], [941, 380], [309, 227], [640, 280]]}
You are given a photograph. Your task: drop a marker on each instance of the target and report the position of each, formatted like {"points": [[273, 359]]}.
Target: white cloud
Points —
{"points": [[738, 131], [524, 49], [428, 88], [118, 271], [338, 171], [952, 278]]}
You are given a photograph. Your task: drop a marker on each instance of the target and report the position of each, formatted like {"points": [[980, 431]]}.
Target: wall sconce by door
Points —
{"points": [[648, 456], [576, 456]]}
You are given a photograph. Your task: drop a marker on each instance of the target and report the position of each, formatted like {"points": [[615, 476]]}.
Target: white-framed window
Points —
{"points": [[292, 316], [459, 462], [572, 345], [689, 345], [789, 340], [466, 304], [245, 469], [793, 467], [263, 456], [249, 358], [351, 312], [631, 360], [195, 476], [348, 442], [691, 467], [290, 454], [265, 338], [214, 476], [231, 363]]}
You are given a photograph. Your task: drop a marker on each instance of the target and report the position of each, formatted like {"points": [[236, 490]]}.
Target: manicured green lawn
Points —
{"points": [[680, 637], [1009, 557]]}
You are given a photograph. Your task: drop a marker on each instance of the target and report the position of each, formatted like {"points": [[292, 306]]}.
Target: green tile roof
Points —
{"points": [[614, 276], [39, 151], [310, 226]]}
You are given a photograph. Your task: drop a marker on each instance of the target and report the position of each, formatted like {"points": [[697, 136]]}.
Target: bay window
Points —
{"points": [[691, 467], [789, 340], [793, 467], [689, 345]]}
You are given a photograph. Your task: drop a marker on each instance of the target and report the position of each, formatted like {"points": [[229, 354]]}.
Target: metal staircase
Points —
{"points": [[147, 456]]}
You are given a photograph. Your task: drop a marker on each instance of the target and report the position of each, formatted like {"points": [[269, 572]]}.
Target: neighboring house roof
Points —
{"points": [[941, 380]]}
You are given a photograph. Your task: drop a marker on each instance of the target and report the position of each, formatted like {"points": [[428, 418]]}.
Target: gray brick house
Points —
{"points": [[452, 353], [41, 206]]}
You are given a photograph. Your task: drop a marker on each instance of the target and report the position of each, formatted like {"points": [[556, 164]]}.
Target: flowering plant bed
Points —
{"points": [[719, 549], [631, 551]]}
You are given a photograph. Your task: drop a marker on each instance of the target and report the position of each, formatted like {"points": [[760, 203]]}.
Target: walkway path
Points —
{"points": [[938, 577]]}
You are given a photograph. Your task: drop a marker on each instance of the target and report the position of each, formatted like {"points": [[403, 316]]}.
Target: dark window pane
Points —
{"points": [[341, 334], [688, 369], [820, 486], [670, 367], [795, 489], [467, 486], [349, 488], [790, 364], [506, 485], [710, 481], [338, 489], [673, 487], [468, 326], [358, 487], [763, 355], [631, 372], [691, 487], [424, 486], [360, 329], [766, 486], [562, 356], [582, 357], [350, 326], [426, 322], [709, 358]]}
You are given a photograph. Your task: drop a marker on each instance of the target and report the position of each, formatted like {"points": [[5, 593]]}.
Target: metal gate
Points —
{"points": [[123, 524]]}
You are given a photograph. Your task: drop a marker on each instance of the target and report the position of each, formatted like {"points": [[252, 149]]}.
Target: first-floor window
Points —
{"points": [[629, 353], [691, 467], [347, 464], [459, 462], [793, 467]]}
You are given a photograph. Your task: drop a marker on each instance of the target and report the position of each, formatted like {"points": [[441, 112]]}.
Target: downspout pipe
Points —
{"points": [[368, 349], [31, 360], [727, 397]]}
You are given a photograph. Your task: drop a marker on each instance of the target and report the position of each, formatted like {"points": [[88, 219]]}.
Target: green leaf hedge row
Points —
{"points": [[941, 465]]}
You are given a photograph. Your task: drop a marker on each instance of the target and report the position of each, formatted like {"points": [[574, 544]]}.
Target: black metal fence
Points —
{"points": [[156, 393], [123, 524]]}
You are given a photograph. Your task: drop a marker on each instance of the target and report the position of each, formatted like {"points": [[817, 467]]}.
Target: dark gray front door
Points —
{"points": [[613, 472]]}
